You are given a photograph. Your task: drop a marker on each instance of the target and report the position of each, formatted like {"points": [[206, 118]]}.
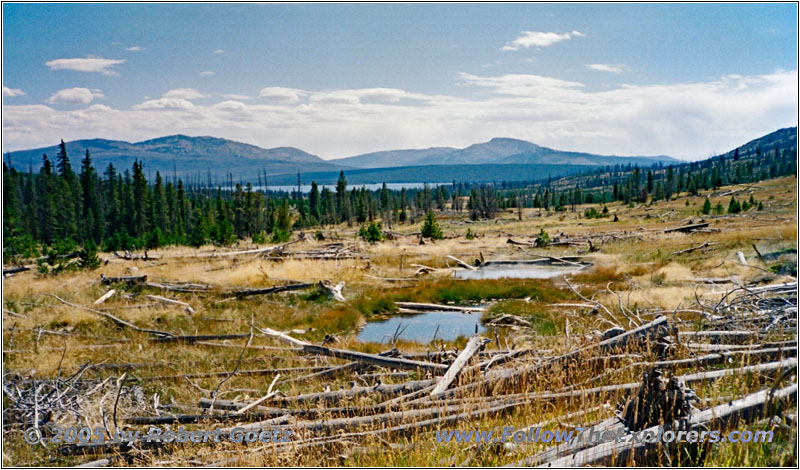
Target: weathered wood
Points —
{"points": [[165, 300], [375, 359], [474, 345], [123, 279], [333, 291], [437, 307], [747, 409], [461, 263], [693, 248], [116, 320], [105, 297], [17, 269], [272, 290], [687, 228]]}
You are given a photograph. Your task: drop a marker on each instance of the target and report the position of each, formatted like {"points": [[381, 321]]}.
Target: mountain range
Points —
{"points": [[201, 156], [496, 151]]}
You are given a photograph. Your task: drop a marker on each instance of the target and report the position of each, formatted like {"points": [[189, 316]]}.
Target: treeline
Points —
{"points": [[60, 208]]}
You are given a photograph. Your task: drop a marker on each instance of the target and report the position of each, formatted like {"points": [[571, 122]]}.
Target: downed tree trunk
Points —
{"points": [[17, 269], [747, 409], [463, 264], [121, 279], [373, 359], [272, 290], [165, 300], [437, 307], [687, 228], [474, 345], [105, 297]]}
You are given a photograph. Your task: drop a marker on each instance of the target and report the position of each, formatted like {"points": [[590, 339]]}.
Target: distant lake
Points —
{"points": [[306, 188]]}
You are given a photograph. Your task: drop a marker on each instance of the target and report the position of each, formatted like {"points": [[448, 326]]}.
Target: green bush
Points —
{"points": [[543, 239], [470, 234], [88, 255], [371, 233], [280, 236], [430, 229]]}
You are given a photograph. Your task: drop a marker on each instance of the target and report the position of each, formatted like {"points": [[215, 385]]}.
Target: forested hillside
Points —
{"points": [[58, 208]]}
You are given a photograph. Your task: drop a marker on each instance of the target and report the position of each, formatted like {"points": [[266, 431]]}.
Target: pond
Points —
{"points": [[422, 326], [519, 271]]}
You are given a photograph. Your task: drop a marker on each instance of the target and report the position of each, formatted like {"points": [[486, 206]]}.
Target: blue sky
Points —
{"points": [[687, 80]]}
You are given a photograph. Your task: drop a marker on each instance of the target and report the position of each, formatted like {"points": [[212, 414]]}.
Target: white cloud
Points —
{"points": [[74, 95], [538, 39], [9, 92], [206, 73], [610, 68], [235, 96], [287, 95], [88, 64], [135, 48], [220, 51], [687, 120], [165, 103], [184, 94]]}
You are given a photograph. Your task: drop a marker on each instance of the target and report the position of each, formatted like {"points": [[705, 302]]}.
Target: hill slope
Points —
{"points": [[496, 151], [183, 154]]}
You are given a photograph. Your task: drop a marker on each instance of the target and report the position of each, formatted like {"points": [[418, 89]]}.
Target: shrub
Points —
{"points": [[259, 238], [470, 234], [280, 236], [430, 229], [88, 255], [371, 233], [707, 207], [542, 239]]}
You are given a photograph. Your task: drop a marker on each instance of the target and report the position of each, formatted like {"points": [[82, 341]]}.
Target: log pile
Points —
{"points": [[393, 395]]}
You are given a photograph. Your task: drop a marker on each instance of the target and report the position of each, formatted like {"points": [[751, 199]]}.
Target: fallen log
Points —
{"points": [[474, 345], [373, 359], [273, 290], [114, 319], [17, 269], [687, 228], [437, 307], [747, 409], [461, 263], [165, 300], [694, 248], [123, 279], [105, 297]]}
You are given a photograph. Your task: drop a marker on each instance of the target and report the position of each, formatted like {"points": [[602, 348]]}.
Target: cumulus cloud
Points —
{"points": [[184, 94], [687, 120], [88, 64], [165, 103], [538, 39], [134, 48], [610, 68], [206, 73], [235, 96], [9, 92], [288, 95], [74, 95]]}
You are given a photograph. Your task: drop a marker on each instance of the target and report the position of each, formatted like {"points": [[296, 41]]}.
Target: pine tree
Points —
{"points": [[430, 229]]}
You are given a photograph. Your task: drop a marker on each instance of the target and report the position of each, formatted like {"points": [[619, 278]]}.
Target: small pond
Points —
{"points": [[421, 327], [520, 271]]}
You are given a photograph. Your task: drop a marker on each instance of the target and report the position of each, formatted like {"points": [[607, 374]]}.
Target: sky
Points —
{"points": [[337, 80]]}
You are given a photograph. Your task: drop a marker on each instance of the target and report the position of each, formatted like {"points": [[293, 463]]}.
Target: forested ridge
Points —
{"points": [[60, 208]]}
